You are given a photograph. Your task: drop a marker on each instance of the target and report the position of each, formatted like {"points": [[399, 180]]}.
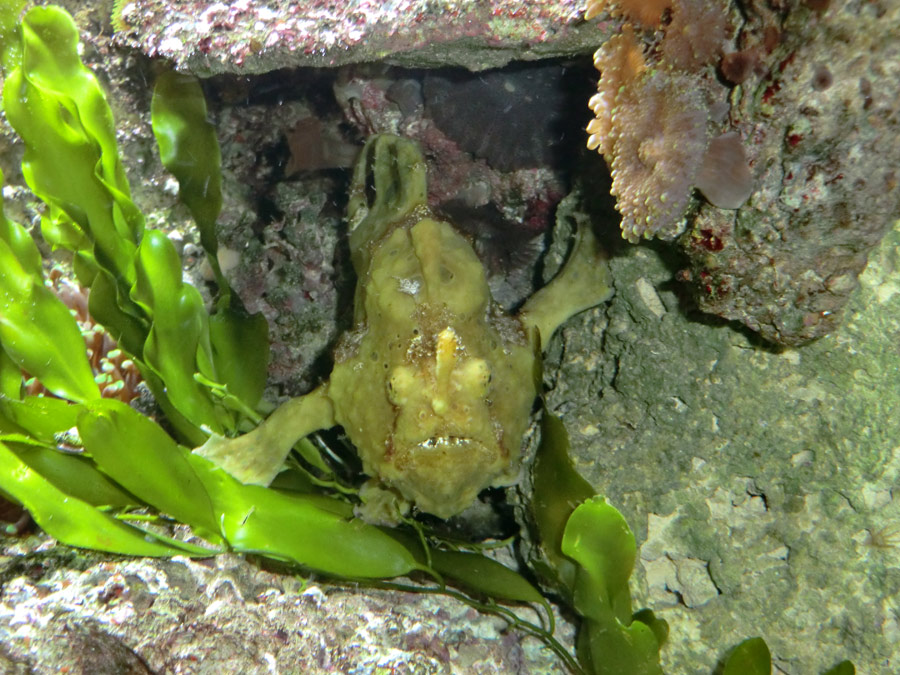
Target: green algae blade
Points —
{"points": [[750, 657], [178, 343], [558, 489], [588, 552], [486, 577], [73, 521], [37, 331], [190, 151], [71, 161], [599, 540], [314, 531], [240, 351], [40, 335], [76, 476], [842, 668], [136, 453]]}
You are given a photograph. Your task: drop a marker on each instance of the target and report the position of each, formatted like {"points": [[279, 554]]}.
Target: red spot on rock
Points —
{"points": [[770, 92], [710, 241], [786, 61], [794, 139]]}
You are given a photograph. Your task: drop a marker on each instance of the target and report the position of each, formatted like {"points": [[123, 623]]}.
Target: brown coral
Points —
{"points": [[738, 66], [652, 110], [724, 177], [655, 149]]}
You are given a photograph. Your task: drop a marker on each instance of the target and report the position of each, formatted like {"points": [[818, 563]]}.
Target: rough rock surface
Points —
{"points": [[761, 484], [819, 118], [83, 614], [254, 37]]}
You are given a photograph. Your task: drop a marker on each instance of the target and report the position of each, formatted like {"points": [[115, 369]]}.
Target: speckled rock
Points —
{"points": [[62, 611], [254, 37]]}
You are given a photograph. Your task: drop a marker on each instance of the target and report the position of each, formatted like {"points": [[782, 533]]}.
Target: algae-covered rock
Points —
{"points": [[759, 482]]}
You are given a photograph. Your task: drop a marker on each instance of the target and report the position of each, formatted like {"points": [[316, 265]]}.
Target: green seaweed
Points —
{"points": [[842, 668], [750, 657], [188, 148], [76, 522], [36, 329], [588, 550], [72, 163]]}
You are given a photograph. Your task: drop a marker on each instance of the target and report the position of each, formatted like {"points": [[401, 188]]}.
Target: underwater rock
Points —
{"points": [[163, 616], [245, 37], [825, 164], [813, 109], [760, 484], [513, 118]]}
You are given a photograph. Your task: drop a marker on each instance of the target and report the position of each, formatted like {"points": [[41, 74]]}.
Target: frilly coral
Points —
{"points": [[656, 144], [651, 113], [621, 61]]}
